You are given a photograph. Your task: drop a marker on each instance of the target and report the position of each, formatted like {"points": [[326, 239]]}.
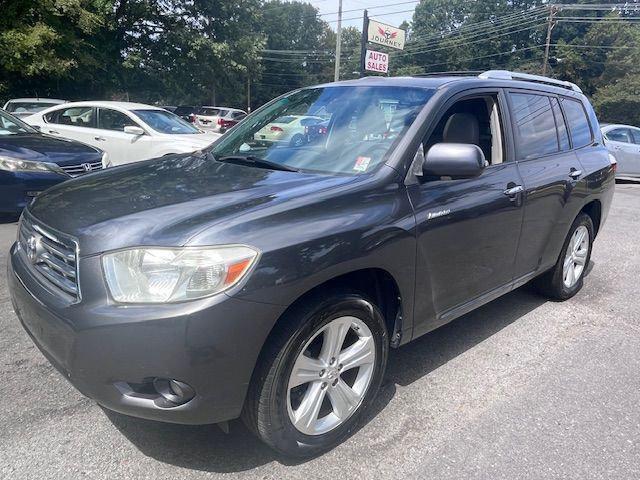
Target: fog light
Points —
{"points": [[174, 391]]}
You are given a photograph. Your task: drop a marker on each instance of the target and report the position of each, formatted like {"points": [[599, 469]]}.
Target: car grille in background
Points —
{"points": [[52, 259], [82, 168]]}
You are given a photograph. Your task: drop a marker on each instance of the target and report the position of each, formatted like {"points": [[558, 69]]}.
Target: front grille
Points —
{"points": [[82, 168], [52, 258]]}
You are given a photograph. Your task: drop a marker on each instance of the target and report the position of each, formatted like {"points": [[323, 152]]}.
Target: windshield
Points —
{"points": [[165, 122], [213, 112], [340, 129], [22, 107], [12, 126]]}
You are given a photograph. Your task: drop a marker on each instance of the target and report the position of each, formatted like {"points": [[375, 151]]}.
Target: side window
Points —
{"points": [[620, 135], [74, 116], [635, 135], [535, 125], [475, 120], [563, 136], [113, 120], [578, 122]]}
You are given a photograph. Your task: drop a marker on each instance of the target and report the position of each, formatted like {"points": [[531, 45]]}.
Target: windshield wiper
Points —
{"points": [[253, 161]]}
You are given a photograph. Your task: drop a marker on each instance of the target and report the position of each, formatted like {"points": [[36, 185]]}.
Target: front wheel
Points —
{"points": [[565, 279], [320, 371]]}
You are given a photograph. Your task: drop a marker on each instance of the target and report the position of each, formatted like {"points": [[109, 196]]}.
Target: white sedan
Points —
{"points": [[128, 132]]}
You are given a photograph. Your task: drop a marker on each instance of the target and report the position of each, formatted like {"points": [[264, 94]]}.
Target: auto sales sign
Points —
{"points": [[376, 62], [387, 35]]}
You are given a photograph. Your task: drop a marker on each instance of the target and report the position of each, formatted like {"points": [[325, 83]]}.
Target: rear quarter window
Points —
{"points": [[579, 127], [535, 125]]}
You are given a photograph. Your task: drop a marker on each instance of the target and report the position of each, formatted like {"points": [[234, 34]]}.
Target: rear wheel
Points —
{"points": [[565, 279], [320, 371]]}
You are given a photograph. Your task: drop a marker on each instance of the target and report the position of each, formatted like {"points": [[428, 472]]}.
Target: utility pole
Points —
{"points": [[363, 42], [550, 24], [336, 75], [248, 94]]}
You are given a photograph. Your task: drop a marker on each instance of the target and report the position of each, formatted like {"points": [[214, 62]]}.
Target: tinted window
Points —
{"points": [[563, 136], [75, 116], [620, 135], [212, 112], [635, 135], [535, 126], [113, 120], [184, 110], [578, 123]]}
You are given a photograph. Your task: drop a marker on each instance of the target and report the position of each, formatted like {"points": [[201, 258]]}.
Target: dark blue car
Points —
{"points": [[31, 162]]}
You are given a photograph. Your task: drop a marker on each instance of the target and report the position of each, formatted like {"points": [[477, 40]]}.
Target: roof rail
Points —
{"points": [[455, 73], [507, 75]]}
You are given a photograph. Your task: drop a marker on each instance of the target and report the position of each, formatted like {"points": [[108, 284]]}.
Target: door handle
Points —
{"points": [[100, 139], [513, 191], [54, 132], [575, 174]]}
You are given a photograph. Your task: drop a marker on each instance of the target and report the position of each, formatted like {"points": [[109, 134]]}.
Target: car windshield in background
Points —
{"points": [[21, 107], [165, 122], [212, 112], [12, 126], [338, 129]]}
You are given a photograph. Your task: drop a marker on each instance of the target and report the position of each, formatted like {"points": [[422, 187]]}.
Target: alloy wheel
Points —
{"points": [[576, 256], [331, 375]]}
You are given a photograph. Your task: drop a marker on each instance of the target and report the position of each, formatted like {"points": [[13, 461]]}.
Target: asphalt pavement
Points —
{"points": [[521, 388]]}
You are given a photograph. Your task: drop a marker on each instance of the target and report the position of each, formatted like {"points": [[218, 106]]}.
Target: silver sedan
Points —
{"points": [[623, 141]]}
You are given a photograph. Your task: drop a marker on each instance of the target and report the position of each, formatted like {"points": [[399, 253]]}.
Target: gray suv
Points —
{"points": [[270, 281]]}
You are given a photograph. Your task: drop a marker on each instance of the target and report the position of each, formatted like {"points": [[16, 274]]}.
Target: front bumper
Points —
{"points": [[17, 189], [211, 344]]}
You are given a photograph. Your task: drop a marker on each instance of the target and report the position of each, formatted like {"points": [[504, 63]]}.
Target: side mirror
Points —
{"points": [[456, 160], [134, 130]]}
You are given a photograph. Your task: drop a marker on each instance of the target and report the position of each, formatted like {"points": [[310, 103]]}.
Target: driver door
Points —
{"points": [[468, 229]]}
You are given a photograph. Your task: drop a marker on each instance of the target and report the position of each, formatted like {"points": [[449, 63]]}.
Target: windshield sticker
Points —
{"points": [[362, 163]]}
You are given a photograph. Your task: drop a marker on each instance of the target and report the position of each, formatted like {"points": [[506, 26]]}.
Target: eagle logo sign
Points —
{"points": [[387, 34]]}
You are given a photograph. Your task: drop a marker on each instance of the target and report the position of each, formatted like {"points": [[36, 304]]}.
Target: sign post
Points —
{"points": [[363, 42]]}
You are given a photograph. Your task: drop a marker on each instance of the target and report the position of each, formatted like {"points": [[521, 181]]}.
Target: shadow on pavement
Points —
{"points": [[8, 218], [207, 448]]}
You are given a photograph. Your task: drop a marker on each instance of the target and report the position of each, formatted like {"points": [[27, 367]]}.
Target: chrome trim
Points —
{"points": [[507, 75], [51, 256]]}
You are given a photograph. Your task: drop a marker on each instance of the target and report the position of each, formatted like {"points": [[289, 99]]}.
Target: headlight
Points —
{"points": [[17, 165], [163, 275]]}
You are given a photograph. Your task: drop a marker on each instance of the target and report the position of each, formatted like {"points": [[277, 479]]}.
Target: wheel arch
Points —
{"points": [[594, 210]]}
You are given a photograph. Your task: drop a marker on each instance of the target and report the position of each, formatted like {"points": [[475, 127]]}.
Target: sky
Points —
{"points": [[378, 10]]}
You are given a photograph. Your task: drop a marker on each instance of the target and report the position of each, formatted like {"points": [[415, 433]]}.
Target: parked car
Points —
{"points": [[187, 112], [218, 119], [128, 132], [270, 281], [623, 141], [31, 162], [23, 107], [287, 130], [169, 108]]}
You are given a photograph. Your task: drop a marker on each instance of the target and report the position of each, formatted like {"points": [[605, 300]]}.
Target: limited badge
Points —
{"points": [[362, 163]]}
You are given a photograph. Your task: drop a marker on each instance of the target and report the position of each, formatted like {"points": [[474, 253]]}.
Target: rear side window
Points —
{"points": [[620, 135], [578, 122], [534, 124], [73, 116], [563, 135]]}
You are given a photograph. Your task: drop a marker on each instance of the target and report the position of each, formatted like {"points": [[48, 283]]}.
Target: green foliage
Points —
{"points": [[619, 102]]}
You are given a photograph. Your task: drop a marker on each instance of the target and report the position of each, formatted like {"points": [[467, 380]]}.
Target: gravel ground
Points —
{"points": [[521, 388]]}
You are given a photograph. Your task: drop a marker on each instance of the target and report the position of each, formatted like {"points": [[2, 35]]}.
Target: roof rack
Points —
{"points": [[455, 73], [507, 75]]}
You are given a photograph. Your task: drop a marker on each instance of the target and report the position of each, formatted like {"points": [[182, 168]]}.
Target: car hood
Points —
{"points": [[169, 201], [43, 148]]}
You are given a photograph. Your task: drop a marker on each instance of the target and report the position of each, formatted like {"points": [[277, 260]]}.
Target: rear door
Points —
{"points": [[76, 123], [550, 170]]}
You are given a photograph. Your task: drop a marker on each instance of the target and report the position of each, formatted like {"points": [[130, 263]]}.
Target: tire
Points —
{"points": [[297, 140], [553, 283], [272, 404]]}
